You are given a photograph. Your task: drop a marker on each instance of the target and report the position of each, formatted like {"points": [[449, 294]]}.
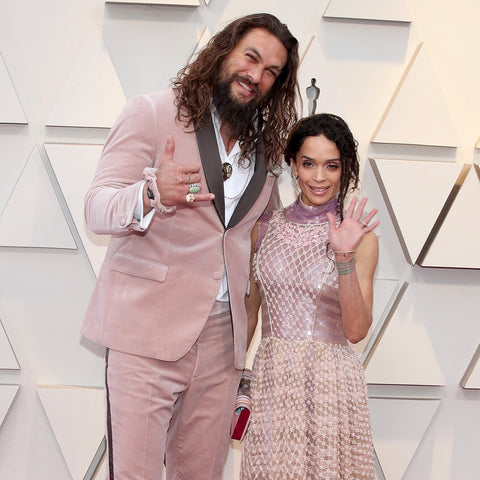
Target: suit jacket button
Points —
{"points": [[217, 275]]}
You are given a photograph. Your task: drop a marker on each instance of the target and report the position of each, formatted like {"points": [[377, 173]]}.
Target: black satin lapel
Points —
{"points": [[208, 147], [254, 187]]}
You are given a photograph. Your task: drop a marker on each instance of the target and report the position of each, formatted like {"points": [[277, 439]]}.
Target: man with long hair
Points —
{"points": [[184, 175]]}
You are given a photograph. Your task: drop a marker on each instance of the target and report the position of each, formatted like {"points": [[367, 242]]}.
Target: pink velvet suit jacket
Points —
{"points": [[156, 288]]}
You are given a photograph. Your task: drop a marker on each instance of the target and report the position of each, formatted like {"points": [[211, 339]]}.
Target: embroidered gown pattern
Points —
{"points": [[310, 417]]}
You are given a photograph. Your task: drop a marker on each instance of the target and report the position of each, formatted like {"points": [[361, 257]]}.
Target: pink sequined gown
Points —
{"points": [[310, 418]]}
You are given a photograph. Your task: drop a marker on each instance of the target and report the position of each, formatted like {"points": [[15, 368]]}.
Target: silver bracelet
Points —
{"points": [[344, 268]]}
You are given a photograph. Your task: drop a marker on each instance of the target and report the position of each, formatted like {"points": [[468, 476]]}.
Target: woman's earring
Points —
{"points": [[295, 184]]}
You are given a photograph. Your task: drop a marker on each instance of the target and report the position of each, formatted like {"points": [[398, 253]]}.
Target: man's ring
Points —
{"points": [[190, 197], [193, 188]]}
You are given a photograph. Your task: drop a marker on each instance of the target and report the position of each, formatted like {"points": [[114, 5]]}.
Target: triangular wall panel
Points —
{"points": [[91, 95], [32, 216], [471, 378], [7, 396], [404, 354], [383, 291], [11, 110], [313, 65], [8, 360], [417, 114], [368, 10], [202, 41], [12, 163], [415, 193], [446, 251], [398, 427], [98, 465], [101, 472], [74, 166], [77, 418], [382, 323]]}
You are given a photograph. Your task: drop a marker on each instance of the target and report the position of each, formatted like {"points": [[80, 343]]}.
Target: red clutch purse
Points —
{"points": [[243, 407]]}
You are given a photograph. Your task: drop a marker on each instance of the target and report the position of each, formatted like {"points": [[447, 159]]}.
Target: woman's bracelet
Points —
{"points": [[344, 268], [345, 253]]}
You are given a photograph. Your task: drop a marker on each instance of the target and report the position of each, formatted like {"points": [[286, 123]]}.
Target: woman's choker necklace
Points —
{"points": [[300, 213]]}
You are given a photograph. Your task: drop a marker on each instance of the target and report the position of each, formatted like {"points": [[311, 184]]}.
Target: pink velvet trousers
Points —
{"points": [[177, 413]]}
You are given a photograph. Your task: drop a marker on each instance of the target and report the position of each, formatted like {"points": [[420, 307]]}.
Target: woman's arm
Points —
{"points": [[356, 253], [355, 290]]}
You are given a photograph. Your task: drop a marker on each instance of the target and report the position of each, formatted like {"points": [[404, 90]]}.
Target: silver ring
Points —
{"points": [[193, 188], [190, 197]]}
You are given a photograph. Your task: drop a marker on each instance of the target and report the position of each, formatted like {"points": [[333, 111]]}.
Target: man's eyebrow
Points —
{"points": [[257, 53]]}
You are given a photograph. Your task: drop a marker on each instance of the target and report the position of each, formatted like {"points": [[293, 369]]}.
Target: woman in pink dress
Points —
{"points": [[312, 275]]}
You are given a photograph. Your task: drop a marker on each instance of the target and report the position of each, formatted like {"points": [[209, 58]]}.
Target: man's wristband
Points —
{"points": [[149, 174]]}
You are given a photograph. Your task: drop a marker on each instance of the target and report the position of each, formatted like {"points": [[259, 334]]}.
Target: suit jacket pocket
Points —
{"points": [[139, 267]]}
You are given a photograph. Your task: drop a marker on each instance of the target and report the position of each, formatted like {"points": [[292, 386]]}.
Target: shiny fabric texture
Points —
{"points": [[310, 417]]}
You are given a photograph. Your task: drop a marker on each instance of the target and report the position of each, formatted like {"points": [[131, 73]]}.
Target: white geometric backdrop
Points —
{"points": [[409, 92]]}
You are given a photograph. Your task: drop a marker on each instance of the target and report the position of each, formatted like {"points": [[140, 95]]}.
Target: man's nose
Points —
{"points": [[255, 74]]}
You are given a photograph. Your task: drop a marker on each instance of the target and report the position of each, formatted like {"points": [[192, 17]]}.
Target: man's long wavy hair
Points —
{"points": [[276, 113]]}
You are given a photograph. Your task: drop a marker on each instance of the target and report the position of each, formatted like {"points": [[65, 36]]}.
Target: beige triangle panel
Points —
{"points": [[8, 359], [7, 396], [77, 418], [11, 110], [380, 324], [403, 354], [33, 216], [415, 193], [417, 113], [398, 428], [317, 85], [471, 377], [12, 162], [443, 249], [91, 95], [74, 166], [202, 41], [384, 290], [369, 10], [98, 465]]}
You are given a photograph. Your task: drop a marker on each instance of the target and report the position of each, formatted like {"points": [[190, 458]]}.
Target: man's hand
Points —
{"points": [[173, 181]]}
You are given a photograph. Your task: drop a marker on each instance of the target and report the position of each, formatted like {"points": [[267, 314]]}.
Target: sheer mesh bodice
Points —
{"points": [[298, 283], [310, 416]]}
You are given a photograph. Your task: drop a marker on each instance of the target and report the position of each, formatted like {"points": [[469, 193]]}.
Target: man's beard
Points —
{"points": [[239, 116]]}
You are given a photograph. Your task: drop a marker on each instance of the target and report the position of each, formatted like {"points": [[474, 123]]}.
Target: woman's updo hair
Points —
{"points": [[337, 131]]}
